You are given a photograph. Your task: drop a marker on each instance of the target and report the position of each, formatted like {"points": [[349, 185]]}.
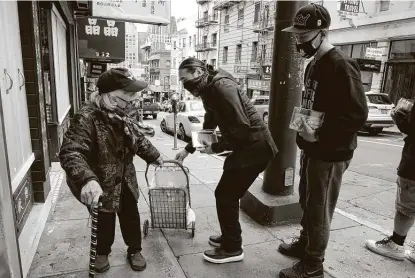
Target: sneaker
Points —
{"points": [[220, 256], [410, 255], [301, 270], [294, 249], [387, 248], [101, 263], [215, 241], [137, 261]]}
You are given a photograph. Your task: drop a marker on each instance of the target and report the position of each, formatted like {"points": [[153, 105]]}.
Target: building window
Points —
{"points": [[184, 42], [226, 27], [403, 50], [263, 52], [214, 39], [205, 16], [384, 5], [238, 55], [359, 50], [346, 49], [213, 63], [174, 44], [194, 39], [240, 18], [190, 41], [254, 51], [225, 55], [205, 41], [257, 12]]}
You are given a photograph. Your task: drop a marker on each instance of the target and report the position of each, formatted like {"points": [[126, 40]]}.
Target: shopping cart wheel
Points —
{"points": [[193, 228], [146, 225]]}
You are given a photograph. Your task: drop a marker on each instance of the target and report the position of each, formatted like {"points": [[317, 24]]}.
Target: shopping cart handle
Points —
{"points": [[171, 161]]}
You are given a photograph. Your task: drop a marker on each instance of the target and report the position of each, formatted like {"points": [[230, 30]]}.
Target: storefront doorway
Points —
{"points": [[400, 80]]}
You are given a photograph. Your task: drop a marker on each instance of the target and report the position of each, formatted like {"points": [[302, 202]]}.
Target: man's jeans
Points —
{"points": [[319, 189], [232, 187], [129, 222]]}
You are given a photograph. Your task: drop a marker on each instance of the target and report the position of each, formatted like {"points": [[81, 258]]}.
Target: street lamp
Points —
{"points": [[174, 99]]}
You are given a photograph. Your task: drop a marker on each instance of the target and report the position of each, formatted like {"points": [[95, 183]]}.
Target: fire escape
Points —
{"points": [[206, 41], [264, 27]]}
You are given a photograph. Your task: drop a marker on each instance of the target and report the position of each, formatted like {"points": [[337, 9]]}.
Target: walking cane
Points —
{"points": [[93, 248]]}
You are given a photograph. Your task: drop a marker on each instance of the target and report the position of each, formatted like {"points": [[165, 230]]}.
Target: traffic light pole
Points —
{"points": [[286, 87]]}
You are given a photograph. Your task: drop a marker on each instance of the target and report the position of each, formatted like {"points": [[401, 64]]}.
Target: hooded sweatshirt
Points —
{"points": [[242, 128]]}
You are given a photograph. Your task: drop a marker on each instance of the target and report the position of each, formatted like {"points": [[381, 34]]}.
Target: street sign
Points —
{"points": [[140, 11], [348, 8], [101, 40], [240, 69], [374, 52]]}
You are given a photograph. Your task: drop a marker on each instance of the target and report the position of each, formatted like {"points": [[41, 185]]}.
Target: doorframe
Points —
{"points": [[8, 217]]}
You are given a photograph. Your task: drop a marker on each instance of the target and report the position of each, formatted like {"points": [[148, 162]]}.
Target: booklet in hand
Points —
{"points": [[313, 118], [207, 135]]}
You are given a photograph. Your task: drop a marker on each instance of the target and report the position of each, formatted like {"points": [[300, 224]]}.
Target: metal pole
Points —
{"points": [[286, 84], [175, 131]]}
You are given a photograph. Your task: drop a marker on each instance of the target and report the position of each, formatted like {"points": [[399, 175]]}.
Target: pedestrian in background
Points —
{"points": [[244, 133], [97, 155], [333, 86], [392, 246]]}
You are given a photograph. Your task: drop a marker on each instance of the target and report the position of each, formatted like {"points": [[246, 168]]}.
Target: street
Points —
{"points": [[376, 157]]}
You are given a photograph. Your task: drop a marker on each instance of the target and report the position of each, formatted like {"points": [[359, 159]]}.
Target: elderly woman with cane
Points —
{"points": [[97, 155]]}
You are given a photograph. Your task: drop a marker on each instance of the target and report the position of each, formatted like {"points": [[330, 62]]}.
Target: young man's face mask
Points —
{"points": [[309, 48], [194, 86]]}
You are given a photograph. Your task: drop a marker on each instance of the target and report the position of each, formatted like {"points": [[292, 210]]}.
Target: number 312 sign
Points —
{"points": [[102, 54]]}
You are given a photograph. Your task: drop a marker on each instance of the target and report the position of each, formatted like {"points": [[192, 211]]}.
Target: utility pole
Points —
{"points": [[286, 88]]}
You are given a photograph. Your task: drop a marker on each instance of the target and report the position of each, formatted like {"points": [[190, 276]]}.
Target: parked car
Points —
{"points": [[189, 118], [150, 108], [261, 104], [379, 106]]}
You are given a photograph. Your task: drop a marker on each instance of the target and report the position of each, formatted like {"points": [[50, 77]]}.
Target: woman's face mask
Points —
{"points": [[127, 103], [309, 48]]}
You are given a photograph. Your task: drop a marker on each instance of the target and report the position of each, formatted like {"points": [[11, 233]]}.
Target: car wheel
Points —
{"points": [[163, 126], [375, 131], [265, 118], [182, 133], [154, 116]]}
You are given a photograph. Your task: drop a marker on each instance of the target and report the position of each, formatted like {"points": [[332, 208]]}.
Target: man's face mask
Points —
{"points": [[309, 48], [194, 86]]}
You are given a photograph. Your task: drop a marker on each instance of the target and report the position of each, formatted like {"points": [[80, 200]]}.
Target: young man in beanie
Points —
{"points": [[331, 78], [97, 155]]}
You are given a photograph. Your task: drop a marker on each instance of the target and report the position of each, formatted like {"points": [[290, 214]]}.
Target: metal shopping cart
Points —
{"points": [[169, 198]]}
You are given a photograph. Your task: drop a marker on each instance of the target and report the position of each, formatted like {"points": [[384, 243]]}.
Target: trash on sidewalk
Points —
{"points": [[169, 196]]}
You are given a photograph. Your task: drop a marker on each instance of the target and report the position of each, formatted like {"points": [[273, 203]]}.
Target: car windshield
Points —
{"points": [[378, 99], [194, 106]]}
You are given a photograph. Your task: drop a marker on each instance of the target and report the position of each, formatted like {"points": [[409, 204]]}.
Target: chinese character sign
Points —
{"points": [[101, 39], [140, 11]]}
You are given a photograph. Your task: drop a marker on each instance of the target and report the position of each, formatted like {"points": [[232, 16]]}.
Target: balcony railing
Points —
{"points": [[201, 2], [263, 26], [205, 46], [205, 21], [225, 4]]}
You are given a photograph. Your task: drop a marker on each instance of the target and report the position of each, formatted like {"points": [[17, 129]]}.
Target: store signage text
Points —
{"points": [[374, 52], [140, 11], [96, 69], [101, 39], [262, 85], [348, 8], [369, 65], [240, 69]]}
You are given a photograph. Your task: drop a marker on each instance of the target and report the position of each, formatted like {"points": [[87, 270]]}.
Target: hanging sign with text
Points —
{"points": [[348, 8], [140, 11], [101, 40]]}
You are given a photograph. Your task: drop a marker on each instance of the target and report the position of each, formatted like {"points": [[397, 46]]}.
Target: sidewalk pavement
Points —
{"points": [[64, 247], [392, 130]]}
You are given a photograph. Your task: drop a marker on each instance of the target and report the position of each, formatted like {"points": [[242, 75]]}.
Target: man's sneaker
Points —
{"points": [[301, 270], [101, 263], [294, 249], [387, 248], [220, 256], [137, 261], [410, 255], [215, 241]]}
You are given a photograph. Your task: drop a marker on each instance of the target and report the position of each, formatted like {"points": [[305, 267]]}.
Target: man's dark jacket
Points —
{"points": [[406, 124], [242, 129]]}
